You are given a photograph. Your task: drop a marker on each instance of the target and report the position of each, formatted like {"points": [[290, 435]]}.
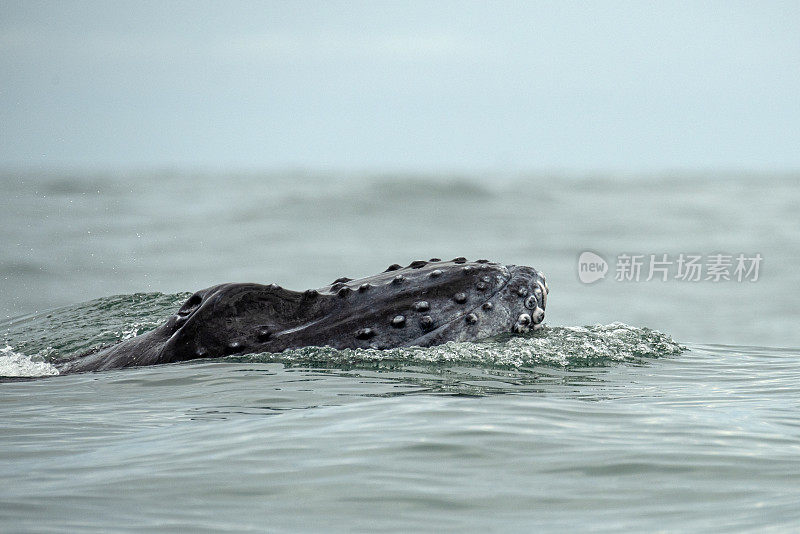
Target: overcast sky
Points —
{"points": [[577, 86]]}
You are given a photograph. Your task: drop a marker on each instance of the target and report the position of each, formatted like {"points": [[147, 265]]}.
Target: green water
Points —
{"points": [[676, 411]]}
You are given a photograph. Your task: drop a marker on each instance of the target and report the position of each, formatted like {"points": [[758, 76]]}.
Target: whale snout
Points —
{"points": [[526, 299]]}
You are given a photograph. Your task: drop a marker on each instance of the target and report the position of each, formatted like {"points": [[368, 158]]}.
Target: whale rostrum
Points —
{"points": [[424, 304]]}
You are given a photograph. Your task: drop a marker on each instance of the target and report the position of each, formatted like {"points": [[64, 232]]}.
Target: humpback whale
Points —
{"points": [[423, 304]]}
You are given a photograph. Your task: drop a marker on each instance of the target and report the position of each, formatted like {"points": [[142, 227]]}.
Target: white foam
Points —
{"points": [[16, 364], [560, 345]]}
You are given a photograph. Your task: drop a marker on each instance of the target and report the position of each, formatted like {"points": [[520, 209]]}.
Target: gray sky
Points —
{"points": [[570, 86]]}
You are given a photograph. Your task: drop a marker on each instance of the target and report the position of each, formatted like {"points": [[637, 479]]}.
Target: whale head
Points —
{"points": [[422, 304]]}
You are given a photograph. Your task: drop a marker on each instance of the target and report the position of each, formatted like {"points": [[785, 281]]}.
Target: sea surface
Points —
{"points": [[646, 405]]}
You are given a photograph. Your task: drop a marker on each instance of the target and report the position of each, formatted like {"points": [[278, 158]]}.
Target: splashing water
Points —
{"points": [[588, 346], [13, 364]]}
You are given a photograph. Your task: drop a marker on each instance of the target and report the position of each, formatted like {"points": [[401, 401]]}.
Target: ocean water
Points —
{"points": [[648, 405]]}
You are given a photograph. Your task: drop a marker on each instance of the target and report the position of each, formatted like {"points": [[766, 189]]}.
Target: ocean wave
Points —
{"points": [[65, 332]]}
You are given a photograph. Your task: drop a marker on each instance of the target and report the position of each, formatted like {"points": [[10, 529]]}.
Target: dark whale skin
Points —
{"points": [[423, 304]]}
